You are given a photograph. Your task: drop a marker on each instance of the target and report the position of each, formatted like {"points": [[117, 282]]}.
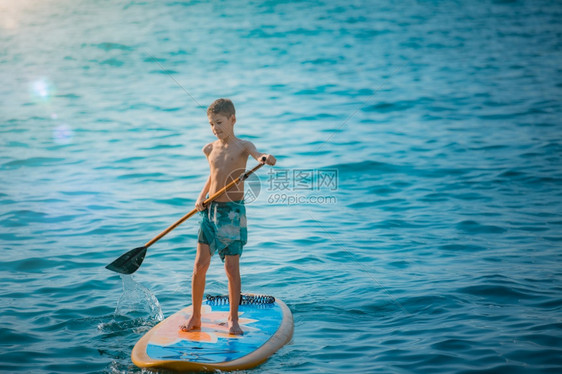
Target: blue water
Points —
{"points": [[436, 247]]}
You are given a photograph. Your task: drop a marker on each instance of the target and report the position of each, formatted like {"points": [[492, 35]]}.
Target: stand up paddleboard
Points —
{"points": [[267, 324]]}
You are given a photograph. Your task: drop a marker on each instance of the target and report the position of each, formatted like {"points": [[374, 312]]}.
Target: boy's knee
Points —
{"points": [[231, 265], [200, 267]]}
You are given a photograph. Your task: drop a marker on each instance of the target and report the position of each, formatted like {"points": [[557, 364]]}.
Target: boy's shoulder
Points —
{"points": [[245, 143], [247, 146], [207, 148]]}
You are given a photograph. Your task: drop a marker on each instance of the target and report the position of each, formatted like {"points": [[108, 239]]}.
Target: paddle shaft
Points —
{"points": [[211, 198]]}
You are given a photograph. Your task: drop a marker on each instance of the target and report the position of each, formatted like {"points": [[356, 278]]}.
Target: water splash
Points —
{"points": [[137, 302], [137, 311]]}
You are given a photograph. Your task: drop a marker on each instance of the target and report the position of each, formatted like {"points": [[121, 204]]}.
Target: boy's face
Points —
{"points": [[222, 125]]}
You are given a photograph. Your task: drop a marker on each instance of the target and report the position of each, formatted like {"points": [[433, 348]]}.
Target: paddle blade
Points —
{"points": [[129, 262]]}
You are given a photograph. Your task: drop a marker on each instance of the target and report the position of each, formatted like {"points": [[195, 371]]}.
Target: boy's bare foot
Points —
{"points": [[234, 328], [192, 323]]}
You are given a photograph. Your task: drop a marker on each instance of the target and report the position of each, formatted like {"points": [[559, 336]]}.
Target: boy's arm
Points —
{"points": [[251, 148], [203, 195]]}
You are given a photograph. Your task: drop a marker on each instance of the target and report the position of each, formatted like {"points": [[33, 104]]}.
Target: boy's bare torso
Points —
{"points": [[227, 161]]}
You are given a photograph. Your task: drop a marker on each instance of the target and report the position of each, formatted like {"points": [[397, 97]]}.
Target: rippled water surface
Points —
{"points": [[421, 139]]}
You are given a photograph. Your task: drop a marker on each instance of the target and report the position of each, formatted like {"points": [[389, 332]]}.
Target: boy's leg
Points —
{"points": [[202, 261], [232, 267]]}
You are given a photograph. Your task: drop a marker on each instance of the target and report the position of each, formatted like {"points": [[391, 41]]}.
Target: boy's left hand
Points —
{"points": [[269, 159]]}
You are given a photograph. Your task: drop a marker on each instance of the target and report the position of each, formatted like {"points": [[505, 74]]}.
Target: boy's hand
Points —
{"points": [[269, 159], [199, 204]]}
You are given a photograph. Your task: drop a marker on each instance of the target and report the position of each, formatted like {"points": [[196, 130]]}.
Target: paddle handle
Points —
{"points": [[211, 198]]}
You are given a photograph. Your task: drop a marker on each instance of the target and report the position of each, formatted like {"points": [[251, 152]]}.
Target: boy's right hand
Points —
{"points": [[199, 204]]}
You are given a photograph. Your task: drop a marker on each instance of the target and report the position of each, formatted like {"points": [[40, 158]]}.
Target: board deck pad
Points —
{"points": [[267, 327]]}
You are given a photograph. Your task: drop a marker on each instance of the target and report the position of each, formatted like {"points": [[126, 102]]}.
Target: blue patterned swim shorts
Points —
{"points": [[223, 227]]}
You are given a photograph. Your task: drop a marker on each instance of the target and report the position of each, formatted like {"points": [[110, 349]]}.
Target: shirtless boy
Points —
{"points": [[223, 226]]}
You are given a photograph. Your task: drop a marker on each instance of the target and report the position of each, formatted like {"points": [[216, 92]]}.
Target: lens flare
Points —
{"points": [[42, 89], [62, 134]]}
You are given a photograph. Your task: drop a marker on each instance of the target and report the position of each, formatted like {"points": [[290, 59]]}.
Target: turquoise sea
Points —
{"points": [[413, 223]]}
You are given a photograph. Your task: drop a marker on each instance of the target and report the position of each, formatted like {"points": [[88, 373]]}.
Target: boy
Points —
{"points": [[223, 227]]}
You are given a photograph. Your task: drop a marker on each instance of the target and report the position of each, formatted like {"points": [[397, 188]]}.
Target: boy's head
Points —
{"points": [[221, 106], [222, 117]]}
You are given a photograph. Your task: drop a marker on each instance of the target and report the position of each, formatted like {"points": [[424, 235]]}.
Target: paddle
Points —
{"points": [[132, 260]]}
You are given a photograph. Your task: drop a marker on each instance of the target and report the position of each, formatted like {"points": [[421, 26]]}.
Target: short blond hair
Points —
{"points": [[221, 106]]}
